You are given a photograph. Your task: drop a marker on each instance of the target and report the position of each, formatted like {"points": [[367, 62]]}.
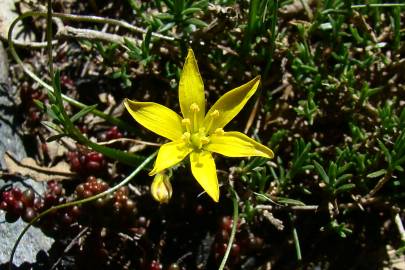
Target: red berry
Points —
{"points": [[224, 235], [28, 197], [226, 223], [29, 214], [3, 205], [93, 166], [8, 198], [38, 204], [17, 208], [130, 205], [50, 199], [123, 190], [57, 189], [79, 190], [66, 218], [16, 193], [155, 265], [87, 193], [94, 156], [235, 250], [75, 164]]}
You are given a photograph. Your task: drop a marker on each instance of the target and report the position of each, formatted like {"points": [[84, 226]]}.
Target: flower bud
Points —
{"points": [[161, 188]]}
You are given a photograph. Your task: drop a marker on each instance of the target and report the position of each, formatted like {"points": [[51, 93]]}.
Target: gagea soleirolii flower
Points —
{"points": [[198, 133]]}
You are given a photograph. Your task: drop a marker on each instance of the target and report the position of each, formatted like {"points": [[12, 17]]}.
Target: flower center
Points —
{"points": [[196, 140]]}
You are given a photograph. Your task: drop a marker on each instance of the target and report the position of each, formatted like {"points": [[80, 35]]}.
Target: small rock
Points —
{"points": [[34, 241]]}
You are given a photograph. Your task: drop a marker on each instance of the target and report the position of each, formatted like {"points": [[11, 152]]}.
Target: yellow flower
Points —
{"points": [[198, 133], [161, 188]]}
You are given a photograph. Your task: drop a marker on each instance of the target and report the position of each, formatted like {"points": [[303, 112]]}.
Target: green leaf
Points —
{"points": [[344, 168], [376, 173], [200, 4], [399, 168], [190, 10], [344, 187], [164, 16], [332, 172], [82, 113], [56, 137], [146, 42], [39, 104], [52, 126], [166, 27], [54, 112], [385, 151], [196, 22], [56, 86], [289, 201], [322, 172], [343, 178], [169, 3]]}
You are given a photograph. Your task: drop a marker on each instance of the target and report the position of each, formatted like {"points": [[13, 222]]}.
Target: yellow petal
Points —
{"points": [[191, 90], [169, 155], [203, 169], [236, 144], [229, 105], [156, 118]]}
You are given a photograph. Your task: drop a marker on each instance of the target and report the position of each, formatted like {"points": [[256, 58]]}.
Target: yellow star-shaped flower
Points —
{"points": [[198, 133]]}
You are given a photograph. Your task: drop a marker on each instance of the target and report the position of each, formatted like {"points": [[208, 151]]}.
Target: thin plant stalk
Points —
{"points": [[233, 231]]}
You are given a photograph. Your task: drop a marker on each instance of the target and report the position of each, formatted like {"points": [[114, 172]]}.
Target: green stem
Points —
{"points": [[69, 204], [233, 231], [73, 102]]}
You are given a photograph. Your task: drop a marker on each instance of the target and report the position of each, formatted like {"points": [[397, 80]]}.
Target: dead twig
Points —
{"points": [[131, 141]]}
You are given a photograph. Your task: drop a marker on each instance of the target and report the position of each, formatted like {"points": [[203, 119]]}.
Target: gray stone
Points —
{"points": [[34, 240]]}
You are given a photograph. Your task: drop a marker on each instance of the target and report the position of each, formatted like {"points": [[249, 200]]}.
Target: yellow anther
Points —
{"points": [[186, 136], [194, 108], [214, 114], [204, 140], [187, 124], [219, 131]]}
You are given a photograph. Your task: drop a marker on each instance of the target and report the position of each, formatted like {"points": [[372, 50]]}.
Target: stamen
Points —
{"points": [[204, 140], [212, 116], [219, 131], [194, 109], [187, 123], [186, 137]]}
